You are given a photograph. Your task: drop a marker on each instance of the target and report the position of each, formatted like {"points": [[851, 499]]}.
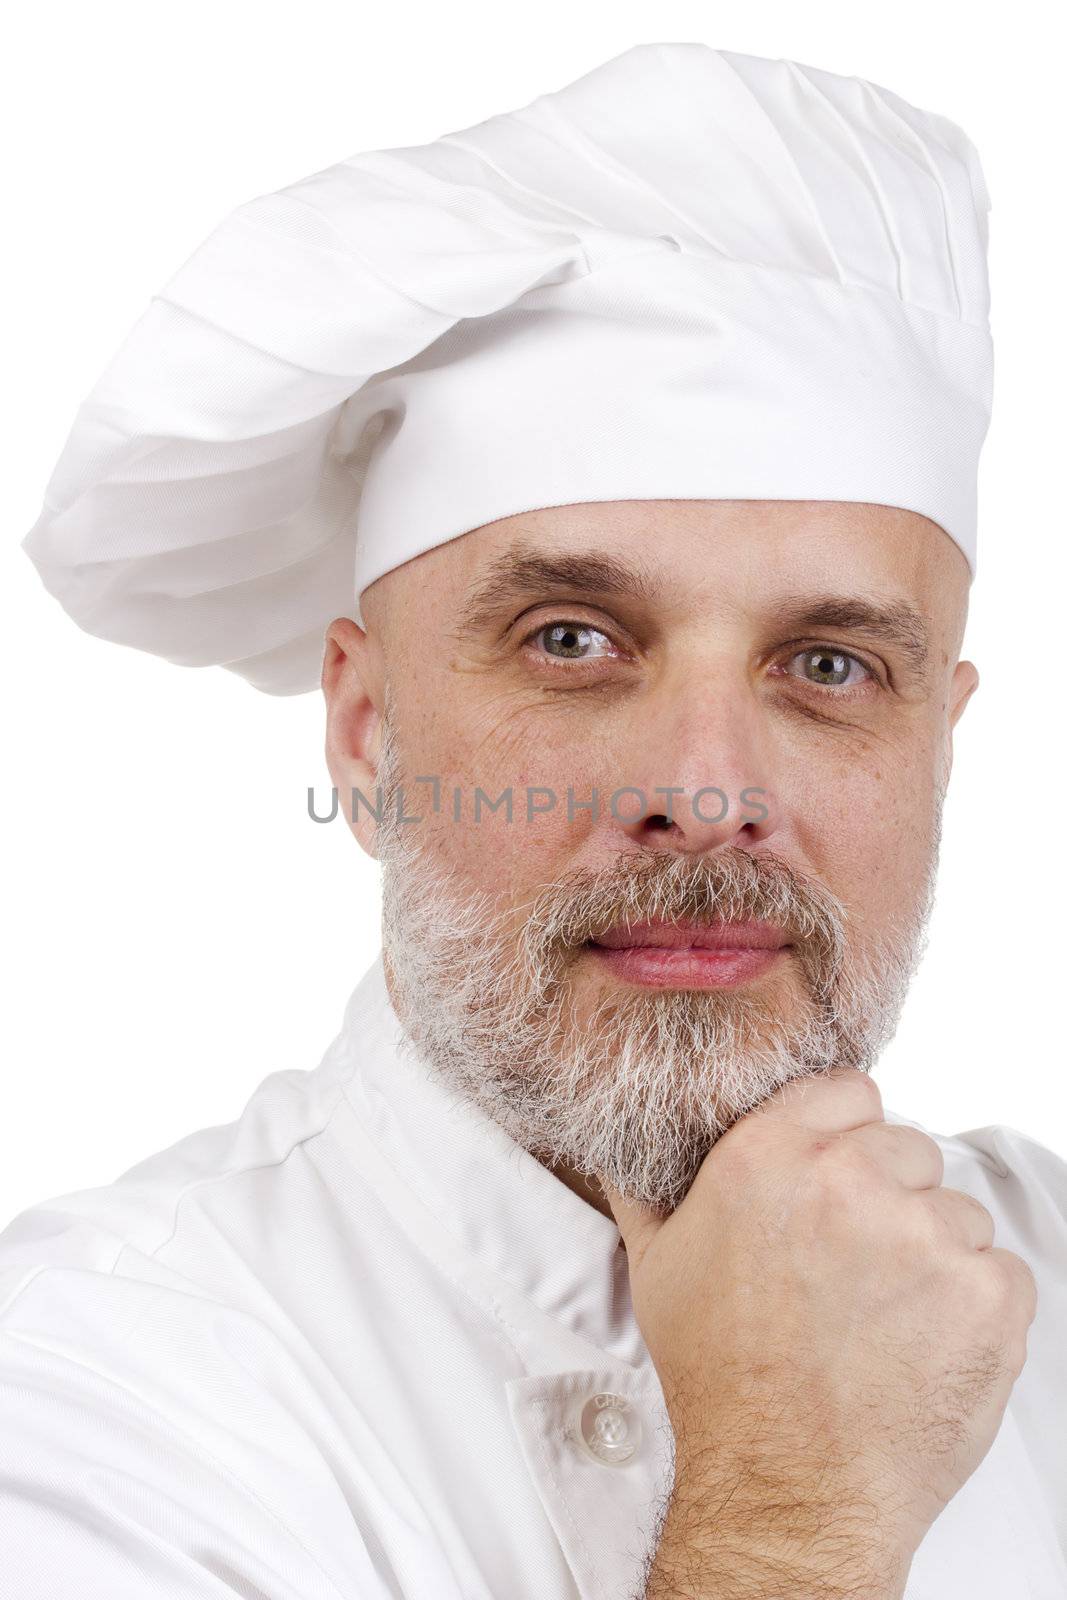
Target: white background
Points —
{"points": [[178, 927]]}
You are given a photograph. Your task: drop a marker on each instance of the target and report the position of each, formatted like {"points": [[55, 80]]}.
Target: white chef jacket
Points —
{"points": [[357, 1345]]}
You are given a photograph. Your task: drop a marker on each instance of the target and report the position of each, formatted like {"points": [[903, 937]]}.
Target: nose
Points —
{"points": [[700, 765]]}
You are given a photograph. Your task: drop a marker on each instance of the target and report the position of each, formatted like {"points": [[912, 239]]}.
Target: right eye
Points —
{"points": [[571, 641]]}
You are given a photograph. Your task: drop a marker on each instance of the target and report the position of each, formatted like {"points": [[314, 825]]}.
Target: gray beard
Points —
{"points": [[639, 1087]]}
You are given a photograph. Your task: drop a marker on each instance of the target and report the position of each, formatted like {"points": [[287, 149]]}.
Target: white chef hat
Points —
{"points": [[689, 274]]}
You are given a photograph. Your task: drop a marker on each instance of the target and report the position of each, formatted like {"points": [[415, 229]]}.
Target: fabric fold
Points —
{"points": [[690, 273]]}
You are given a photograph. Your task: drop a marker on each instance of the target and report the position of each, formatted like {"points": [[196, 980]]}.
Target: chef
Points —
{"points": [[610, 465]]}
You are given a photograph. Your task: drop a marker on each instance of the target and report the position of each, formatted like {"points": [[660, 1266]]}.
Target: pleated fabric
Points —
{"points": [[690, 273]]}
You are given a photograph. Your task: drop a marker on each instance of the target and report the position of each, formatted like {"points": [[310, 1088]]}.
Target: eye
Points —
{"points": [[571, 641], [833, 669]]}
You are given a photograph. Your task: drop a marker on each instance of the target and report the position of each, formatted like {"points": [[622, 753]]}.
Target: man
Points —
{"points": [[588, 1262]]}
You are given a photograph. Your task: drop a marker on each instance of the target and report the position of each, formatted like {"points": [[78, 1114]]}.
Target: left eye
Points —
{"points": [[571, 641], [832, 668]]}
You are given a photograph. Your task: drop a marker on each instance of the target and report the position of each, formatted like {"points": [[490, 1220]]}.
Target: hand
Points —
{"points": [[835, 1334]]}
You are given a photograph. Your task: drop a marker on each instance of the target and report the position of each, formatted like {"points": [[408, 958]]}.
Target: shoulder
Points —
{"points": [[149, 1297], [1020, 1168], [161, 1424], [154, 1440], [144, 1296], [178, 1202]]}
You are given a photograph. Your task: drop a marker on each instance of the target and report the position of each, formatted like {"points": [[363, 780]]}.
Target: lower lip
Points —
{"points": [[668, 968]]}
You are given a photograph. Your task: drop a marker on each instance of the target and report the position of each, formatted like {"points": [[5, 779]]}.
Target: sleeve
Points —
{"points": [[139, 1463]]}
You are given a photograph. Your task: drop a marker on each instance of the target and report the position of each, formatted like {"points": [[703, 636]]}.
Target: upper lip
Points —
{"points": [[695, 935]]}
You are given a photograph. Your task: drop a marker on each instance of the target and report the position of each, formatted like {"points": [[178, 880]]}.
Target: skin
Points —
{"points": [[826, 1406], [700, 680]]}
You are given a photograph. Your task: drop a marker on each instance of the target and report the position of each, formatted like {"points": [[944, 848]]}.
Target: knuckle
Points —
{"points": [[984, 1218], [967, 1202], [912, 1145], [922, 1219], [864, 1090], [929, 1148], [921, 1232], [866, 1085], [838, 1168], [1016, 1276], [1004, 1287], [851, 1086], [949, 1217]]}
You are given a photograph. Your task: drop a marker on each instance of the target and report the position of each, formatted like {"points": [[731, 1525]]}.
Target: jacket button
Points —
{"points": [[610, 1429]]}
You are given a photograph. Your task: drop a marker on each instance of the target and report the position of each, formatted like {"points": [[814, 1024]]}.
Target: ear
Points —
{"points": [[353, 686], [964, 683]]}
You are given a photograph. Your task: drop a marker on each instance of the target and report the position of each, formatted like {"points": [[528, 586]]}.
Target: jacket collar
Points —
{"points": [[500, 1206]]}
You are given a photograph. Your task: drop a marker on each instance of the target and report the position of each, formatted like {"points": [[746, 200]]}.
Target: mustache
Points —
{"points": [[730, 885]]}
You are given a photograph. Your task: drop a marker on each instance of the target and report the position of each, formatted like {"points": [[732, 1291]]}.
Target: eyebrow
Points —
{"points": [[896, 622], [523, 570]]}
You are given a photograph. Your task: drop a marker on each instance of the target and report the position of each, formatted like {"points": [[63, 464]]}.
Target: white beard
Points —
{"points": [[640, 1088]]}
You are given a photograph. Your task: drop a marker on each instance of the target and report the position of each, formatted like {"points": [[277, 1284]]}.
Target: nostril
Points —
{"points": [[659, 821]]}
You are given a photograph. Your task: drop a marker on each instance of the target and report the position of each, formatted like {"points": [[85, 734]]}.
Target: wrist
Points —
{"points": [[746, 1536]]}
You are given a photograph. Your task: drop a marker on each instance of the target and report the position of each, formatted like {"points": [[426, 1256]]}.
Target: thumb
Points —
{"points": [[638, 1223]]}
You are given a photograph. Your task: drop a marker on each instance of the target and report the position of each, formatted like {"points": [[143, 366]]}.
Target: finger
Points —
{"points": [[1021, 1275], [638, 1224], [965, 1217], [907, 1154], [825, 1102]]}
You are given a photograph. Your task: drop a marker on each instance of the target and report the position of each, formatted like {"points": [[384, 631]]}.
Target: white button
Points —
{"points": [[610, 1429]]}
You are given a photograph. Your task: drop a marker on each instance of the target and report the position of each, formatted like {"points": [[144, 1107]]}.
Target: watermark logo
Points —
{"points": [[627, 803]]}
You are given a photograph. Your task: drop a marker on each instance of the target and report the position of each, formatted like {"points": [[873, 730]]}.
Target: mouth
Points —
{"points": [[690, 955]]}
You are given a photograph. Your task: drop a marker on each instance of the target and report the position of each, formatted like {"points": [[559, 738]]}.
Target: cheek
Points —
{"points": [[489, 849], [868, 827], [506, 820]]}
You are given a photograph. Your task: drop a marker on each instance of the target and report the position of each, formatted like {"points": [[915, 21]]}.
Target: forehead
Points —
{"points": [[701, 555]]}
